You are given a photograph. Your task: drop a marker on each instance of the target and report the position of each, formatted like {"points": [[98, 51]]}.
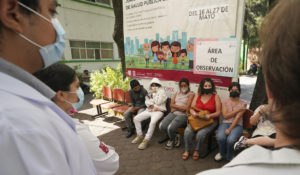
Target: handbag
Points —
{"points": [[198, 122]]}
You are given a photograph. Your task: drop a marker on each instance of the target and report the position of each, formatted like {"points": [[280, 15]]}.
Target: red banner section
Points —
{"points": [[176, 75]]}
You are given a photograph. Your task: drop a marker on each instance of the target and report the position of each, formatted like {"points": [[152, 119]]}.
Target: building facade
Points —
{"points": [[89, 26]]}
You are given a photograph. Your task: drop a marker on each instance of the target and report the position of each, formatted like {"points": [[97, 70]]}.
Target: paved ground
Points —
{"points": [[155, 160], [247, 87]]}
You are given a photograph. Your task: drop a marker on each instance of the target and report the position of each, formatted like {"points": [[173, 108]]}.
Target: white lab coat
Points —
{"points": [[257, 160], [37, 137], [104, 157]]}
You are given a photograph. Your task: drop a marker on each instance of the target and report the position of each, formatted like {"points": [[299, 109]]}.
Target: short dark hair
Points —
{"points": [[58, 76], [134, 83], [34, 4], [201, 85], [235, 84]]}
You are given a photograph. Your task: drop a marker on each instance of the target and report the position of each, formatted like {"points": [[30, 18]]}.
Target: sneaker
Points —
{"points": [[144, 144], [169, 145], [240, 144], [138, 139], [177, 140], [130, 133], [218, 157]]}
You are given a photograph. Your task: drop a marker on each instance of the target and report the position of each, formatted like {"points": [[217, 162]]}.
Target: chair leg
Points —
{"points": [[210, 146], [99, 112]]}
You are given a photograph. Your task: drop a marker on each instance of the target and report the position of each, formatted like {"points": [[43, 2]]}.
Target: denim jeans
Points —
{"points": [[226, 142], [171, 122], [128, 117], [200, 136]]}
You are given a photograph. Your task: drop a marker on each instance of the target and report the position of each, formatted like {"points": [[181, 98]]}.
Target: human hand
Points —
{"points": [[156, 109], [265, 108], [133, 109], [173, 109], [227, 131], [243, 108], [206, 117], [150, 108], [154, 89], [194, 114]]}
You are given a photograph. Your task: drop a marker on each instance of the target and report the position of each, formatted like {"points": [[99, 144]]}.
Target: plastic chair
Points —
{"points": [[118, 96], [122, 109]]}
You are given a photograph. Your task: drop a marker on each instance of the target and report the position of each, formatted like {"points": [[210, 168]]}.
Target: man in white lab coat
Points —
{"points": [[36, 137]]}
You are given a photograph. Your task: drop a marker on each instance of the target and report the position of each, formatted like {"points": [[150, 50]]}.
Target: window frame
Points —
{"points": [[92, 48]]}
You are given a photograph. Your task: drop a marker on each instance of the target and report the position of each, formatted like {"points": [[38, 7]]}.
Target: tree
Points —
{"points": [[259, 93], [118, 34], [255, 11]]}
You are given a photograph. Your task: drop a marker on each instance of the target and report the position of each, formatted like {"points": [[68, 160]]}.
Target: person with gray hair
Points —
{"points": [[280, 38]]}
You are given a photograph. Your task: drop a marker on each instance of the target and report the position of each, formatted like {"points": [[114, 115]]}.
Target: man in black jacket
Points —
{"points": [[137, 97]]}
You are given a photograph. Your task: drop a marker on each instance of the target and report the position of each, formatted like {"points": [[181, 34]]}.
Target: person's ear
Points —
{"points": [[60, 96], [270, 95], [11, 16]]}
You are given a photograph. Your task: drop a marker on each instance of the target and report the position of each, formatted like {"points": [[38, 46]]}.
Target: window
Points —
{"points": [[91, 50], [106, 2]]}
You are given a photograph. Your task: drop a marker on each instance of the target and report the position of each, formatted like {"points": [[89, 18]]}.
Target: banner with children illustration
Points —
{"points": [[160, 35]]}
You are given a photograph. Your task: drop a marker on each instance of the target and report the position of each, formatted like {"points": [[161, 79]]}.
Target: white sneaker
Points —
{"points": [[218, 157], [138, 139], [169, 145]]}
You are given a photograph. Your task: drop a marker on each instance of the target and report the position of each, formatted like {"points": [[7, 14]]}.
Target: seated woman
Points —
{"points": [[177, 118], [231, 128], [206, 99], [265, 132], [156, 105], [63, 80]]}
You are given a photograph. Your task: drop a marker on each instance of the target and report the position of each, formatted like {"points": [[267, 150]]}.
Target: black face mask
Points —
{"points": [[207, 91], [234, 94]]}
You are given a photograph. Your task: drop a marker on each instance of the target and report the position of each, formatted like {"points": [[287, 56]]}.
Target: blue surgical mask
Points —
{"points": [[53, 52], [80, 95]]}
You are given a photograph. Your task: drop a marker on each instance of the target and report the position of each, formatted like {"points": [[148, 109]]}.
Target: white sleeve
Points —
{"points": [[257, 110], [31, 151], [161, 98], [148, 101], [104, 157]]}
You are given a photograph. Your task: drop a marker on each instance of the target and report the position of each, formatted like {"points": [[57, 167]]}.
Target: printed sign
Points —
{"points": [[216, 57], [160, 35]]}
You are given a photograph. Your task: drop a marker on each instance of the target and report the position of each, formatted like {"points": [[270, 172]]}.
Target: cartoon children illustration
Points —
{"points": [[175, 48], [160, 56], [182, 57], [146, 48], [190, 52], [165, 47], [155, 48]]}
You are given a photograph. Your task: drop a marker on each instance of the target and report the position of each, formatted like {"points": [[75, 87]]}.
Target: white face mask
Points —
{"points": [[52, 52], [80, 95], [154, 88], [184, 90]]}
